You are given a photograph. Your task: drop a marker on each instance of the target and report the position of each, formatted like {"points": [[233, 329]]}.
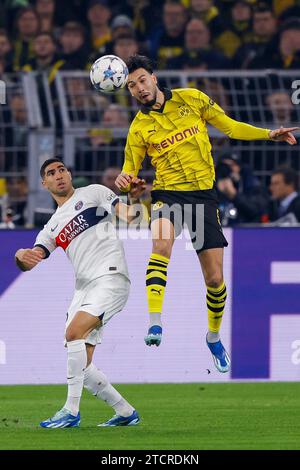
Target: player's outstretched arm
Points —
{"points": [[26, 259], [243, 131], [127, 212]]}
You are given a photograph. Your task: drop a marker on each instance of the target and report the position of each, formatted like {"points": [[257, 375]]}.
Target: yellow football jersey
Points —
{"points": [[176, 139]]}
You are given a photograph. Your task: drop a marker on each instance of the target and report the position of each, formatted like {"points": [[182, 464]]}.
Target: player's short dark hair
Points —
{"points": [[289, 175], [47, 163], [137, 61]]}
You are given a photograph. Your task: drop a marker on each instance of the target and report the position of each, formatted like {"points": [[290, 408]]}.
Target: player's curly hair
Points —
{"points": [[137, 61]]}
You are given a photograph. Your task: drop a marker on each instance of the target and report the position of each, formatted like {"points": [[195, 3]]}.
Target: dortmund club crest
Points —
{"points": [[158, 205], [183, 111]]}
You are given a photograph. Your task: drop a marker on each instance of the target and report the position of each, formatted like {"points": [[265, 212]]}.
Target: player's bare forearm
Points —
{"points": [[135, 186], [26, 259], [126, 212]]}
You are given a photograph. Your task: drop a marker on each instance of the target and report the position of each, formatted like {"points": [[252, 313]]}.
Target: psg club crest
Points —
{"points": [[78, 206]]}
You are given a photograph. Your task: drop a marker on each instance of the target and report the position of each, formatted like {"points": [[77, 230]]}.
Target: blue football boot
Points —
{"points": [[154, 336], [118, 420], [62, 419], [220, 356]]}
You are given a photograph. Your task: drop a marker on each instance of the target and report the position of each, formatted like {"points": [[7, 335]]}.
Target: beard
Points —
{"points": [[152, 102], [61, 192]]}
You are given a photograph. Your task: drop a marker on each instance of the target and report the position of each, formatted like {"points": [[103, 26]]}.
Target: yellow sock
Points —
{"points": [[156, 280], [215, 300]]}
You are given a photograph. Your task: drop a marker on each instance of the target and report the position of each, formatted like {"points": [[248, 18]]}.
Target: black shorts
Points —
{"points": [[198, 209]]}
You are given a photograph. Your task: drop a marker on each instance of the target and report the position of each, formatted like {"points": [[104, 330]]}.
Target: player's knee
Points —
{"points": [[72, 334], [214, 280], [163, 248]]}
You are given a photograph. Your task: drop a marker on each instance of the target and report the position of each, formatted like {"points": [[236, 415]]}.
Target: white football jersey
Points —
{"points": [[82, 228]]}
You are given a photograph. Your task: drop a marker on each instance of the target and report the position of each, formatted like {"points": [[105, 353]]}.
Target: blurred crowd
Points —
{"points": [[49, 36], [200, 34]]}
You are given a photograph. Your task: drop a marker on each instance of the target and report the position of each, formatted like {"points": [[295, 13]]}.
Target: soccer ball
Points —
{"points": [[109, 73]]}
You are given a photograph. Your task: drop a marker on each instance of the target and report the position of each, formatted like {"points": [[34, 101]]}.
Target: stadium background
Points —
{"points": [[245, 55]]}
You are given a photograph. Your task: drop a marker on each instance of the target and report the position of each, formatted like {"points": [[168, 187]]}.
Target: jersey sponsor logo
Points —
{"points": [[157, 205], [54, 228], [178, 137], [79, 224], [78, 205]]}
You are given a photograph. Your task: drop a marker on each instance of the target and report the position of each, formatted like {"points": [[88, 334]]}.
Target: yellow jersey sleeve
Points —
{"points": [[135, 152], [207, 107], [239, 130], [215, 115]]}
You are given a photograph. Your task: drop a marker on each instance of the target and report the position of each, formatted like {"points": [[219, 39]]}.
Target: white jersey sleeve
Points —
{"points": [[45, 241], [104, 197]]}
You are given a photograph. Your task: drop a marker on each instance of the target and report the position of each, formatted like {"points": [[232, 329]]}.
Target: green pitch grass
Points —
{"points": [[182, 416]]}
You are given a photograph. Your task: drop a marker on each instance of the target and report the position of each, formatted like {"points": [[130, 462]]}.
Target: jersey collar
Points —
{"points": [[167, 94]]}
